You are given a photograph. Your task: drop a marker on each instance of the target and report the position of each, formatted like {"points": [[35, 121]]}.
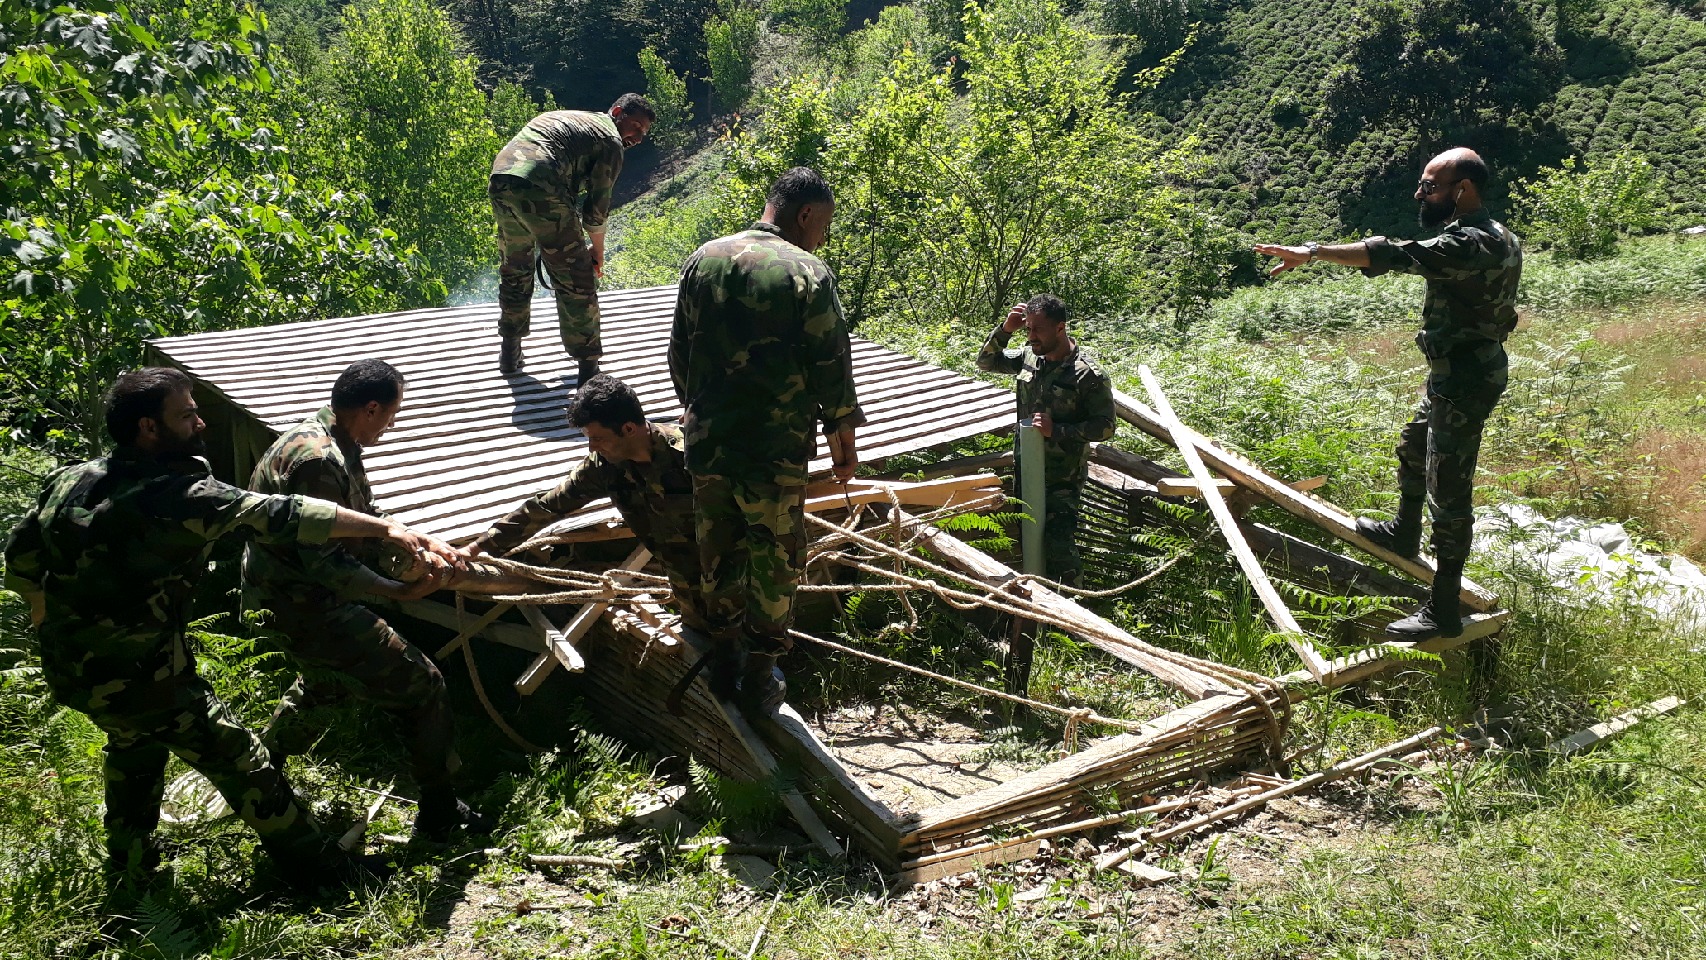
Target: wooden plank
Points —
{"points": [[1325, 515], [560, 645], [802, 811], [1094, 629], [444, 615], [1602, 733], [1277, 610], [1378, 658], [787, 733]]}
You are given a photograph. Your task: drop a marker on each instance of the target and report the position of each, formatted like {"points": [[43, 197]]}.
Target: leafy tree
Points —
{"points": [[731, 47], [1443, 64], [667, 91], [393, 110], [1582, 210], [964, 188], [138, 200]]}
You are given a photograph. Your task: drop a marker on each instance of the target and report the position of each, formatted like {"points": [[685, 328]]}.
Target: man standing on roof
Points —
{"points": [[642, 468], [313, 593], [1472, 270], [557, 158], [759, 354], [108, 559], [1065, 396]]}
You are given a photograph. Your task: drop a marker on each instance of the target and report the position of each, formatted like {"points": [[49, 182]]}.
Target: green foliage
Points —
{"points": [[1443, 63], [393, 110], [142, 200], [963, 188], [731, 51], [667, 91], [1583, 210], [819, 23]]}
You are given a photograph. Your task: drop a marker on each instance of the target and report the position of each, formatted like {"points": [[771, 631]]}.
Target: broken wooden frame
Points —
{"points": [[633, 654]]}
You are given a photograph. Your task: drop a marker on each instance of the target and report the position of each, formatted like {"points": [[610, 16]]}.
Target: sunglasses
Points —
{"points": [[1427, 187]]}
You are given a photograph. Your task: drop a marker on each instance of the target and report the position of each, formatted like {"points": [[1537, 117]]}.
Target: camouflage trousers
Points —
{"points": [[1061, 561], [346, 650], [1437, 451], [686, 581], [752, 543], [532, 217], [148, 716]]}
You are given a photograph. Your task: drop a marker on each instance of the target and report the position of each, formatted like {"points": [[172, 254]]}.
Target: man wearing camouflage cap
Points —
{"points": [[642, 468], [558, 158], [108, 560], [1472, 270], [759, 354], [313, 594], [1067, 398]]}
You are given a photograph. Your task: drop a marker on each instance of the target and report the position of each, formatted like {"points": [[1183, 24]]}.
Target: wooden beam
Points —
{"points": [[1379, 658], [1317, 511], [1093, 629], [1264, 588], [1601, 733], [560, 644], [802, 811], [786, 732], [444, 615]]}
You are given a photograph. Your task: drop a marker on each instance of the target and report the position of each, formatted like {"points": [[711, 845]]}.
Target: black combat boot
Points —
{"points": [[509, 354], [585, 370], [762, 686], [1401, 534], [440, 813], [1441, 615]]}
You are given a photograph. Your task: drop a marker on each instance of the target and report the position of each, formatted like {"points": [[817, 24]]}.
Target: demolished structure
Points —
{"points": [[472, 444]]}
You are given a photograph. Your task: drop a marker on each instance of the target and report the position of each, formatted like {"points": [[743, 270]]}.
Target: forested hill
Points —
{"points": [[1317, 111]]}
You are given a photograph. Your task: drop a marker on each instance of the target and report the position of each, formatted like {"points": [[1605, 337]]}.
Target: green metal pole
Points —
{"points": [[1031, 492]]}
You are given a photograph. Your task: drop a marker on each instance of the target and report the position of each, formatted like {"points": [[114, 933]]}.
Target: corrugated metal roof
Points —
{"points": [[471, 443]]}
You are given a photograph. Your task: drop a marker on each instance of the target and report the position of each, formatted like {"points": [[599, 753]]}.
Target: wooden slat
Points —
{"points": [[561, 648], [1264, 588], [1323, 514]]}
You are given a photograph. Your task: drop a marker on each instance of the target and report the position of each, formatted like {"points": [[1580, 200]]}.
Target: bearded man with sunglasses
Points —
{"points": [[1472, 270]]}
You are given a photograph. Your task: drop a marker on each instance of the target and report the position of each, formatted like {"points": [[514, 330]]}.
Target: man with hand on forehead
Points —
{"points": [[1070, 401]]}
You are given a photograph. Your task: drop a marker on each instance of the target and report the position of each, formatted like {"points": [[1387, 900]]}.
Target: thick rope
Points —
{"points": [[480, 690]]}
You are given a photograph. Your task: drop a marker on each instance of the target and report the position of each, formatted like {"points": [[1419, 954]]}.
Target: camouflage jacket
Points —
{"points": [[116, 545], [312, 459], [572, 151], [655, 499], [1073, 392], [1472, 269], [759, 352]]}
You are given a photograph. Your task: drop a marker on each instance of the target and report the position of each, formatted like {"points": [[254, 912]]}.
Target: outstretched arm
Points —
{"points": [[1343, 254]]}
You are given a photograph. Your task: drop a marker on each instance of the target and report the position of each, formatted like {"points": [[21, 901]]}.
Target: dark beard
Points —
{"points": [[1432, 216], [195, 446]]}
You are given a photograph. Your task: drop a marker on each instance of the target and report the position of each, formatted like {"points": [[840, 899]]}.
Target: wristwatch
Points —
{"points": [[1312, 247]]}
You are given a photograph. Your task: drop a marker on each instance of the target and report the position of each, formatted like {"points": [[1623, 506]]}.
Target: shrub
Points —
{"points": [[1583, 209], [667, 91]]}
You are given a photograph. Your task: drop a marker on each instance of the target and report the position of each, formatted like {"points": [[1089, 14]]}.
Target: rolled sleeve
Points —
{"points": [[318, 517]]}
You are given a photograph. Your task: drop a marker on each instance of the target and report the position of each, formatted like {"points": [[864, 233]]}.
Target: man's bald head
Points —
{"points": [[1451, 186], [1462, 162]]}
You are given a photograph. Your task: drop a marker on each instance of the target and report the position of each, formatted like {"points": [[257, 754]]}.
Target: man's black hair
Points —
{"points": [[365, 381], [635, 105], [138, 394], [606, 401], [1471, 167], [798, 187], [1049, 306]]}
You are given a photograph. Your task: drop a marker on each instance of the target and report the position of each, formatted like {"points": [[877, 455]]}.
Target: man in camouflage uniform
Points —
{"points": [[108, 560], [1064, 395], [759, 352], [312, 593], [642, 468], [536, 179], [1472, 270]]}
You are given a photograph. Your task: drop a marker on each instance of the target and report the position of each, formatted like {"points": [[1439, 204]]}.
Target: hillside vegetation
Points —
{"points": [[1318, 117]]}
